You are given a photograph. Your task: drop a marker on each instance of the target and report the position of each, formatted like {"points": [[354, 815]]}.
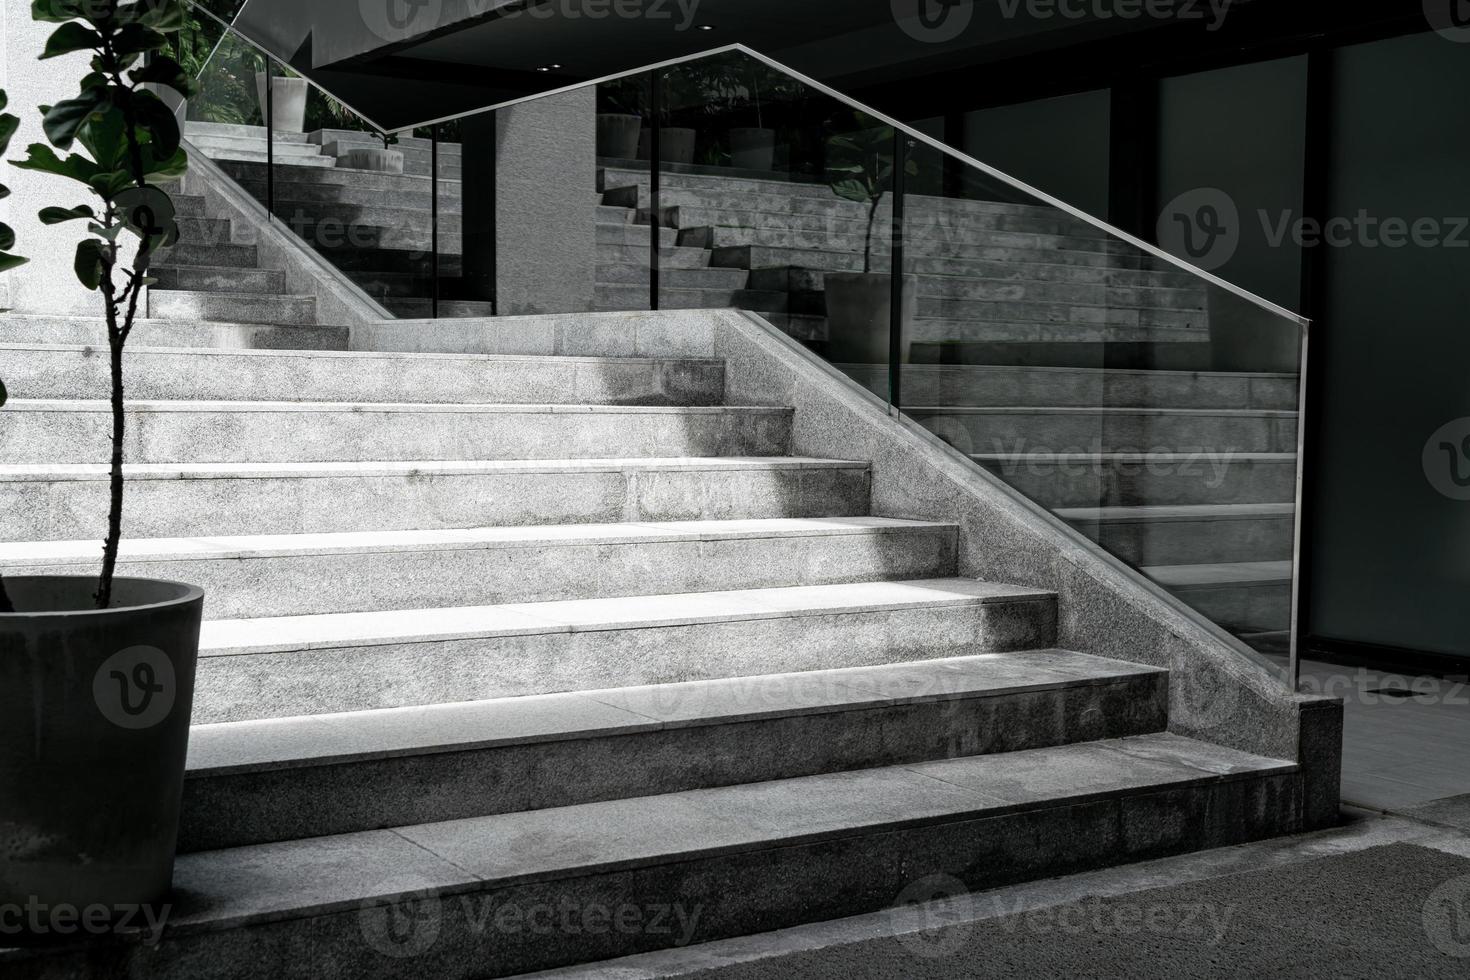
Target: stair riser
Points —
{"points": [[286, 804], [216, 255], [637, 255], [241, 588], [1005, 387], [959, 333], [262, 281], [634, 235], [355, 678], [1199, 481], [1059, 313], [1194, 542], [353, 435], [1246, 608], [163, 333], [251, 176], [951, 220], [162, 375], [1007, 289], [636, 274], [73, 509], [942, 239], [631, 297], [491, 932], [1079, 433], [285, 310]]}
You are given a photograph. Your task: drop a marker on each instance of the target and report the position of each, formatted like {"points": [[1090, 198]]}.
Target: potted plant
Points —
{"points": [[384, 161], [859, 304], [97, 675], [676, 143], [620, 117], [288, 97]]}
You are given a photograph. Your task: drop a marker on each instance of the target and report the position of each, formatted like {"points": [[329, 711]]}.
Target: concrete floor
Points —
{"points": [[939, 936]]}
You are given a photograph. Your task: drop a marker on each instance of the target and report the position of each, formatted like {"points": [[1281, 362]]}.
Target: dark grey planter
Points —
{"points": [[288, 101], [676, 145], [859, 318], [94, 727], [752, 148], [617, 135], [374, 158]]}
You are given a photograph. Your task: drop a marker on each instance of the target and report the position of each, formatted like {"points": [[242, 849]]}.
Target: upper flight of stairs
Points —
{"points": [[495, 632]]}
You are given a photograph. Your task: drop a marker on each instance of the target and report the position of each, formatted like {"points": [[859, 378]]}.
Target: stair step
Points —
{"points": [[251, 175], [27, 329], [158, 374], [1015, 386], [57, 431], [218, 279], [1088, 429], [784, 852], [629, 296], [205, 231], [221, 254], [188, 205], [277, 575], [1243, 597], [69, 502], [636, 274], [181, 304], [277, 667], [202, 128], [958, 333], [284, 160], [625, 234], [672, 257], [1058, 480], [1189, 535], [978, 314], [281, 779]]}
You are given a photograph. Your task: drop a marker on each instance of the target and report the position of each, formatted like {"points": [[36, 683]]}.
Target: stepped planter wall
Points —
{"points": [[859, 314], [376, 159], [289, 102], [94, 726]]}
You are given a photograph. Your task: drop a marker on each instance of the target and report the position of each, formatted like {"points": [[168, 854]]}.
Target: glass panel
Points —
{"points": [[1150, 409], [623, 222]]}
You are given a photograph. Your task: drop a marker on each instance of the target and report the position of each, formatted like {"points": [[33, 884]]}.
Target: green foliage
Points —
{"points": [[860, 169], [8, 125]]}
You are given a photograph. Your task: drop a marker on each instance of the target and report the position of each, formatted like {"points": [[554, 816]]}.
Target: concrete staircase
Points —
{"points": [[489, 634]]}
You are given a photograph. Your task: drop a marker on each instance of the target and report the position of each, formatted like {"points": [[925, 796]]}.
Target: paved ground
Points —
{"points": [[1381, 896]]}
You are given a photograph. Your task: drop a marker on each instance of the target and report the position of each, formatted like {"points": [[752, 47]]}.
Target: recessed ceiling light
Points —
{"points": [[706, 27], [548, 68]]}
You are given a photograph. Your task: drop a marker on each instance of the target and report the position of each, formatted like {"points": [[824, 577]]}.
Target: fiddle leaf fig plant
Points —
{"points": [[8, 261], [130, 142], [860, 169]]}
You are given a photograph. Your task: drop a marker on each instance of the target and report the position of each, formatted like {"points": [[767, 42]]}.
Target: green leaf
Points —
{"points": [[69, 37], [164, 71], [56, 11], [44, 159], [89, 262], [8, 126], [162, 15], [8, 262], [137, 39], [55, 216], [852, 190], [3, 395], [105, 139], [159, 121], [148, 213], [7, 238], [62, 120], [165, 168]]}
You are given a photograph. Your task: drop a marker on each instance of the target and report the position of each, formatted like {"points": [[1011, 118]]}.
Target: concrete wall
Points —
{"points": [[47, 284]]}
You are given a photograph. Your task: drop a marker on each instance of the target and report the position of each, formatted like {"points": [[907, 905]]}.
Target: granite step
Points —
{"points": [[1242, 596], [218, 279], [283, 666], [28, 329], [1092, 429], [212, 256], [630, 296], [695, 866], [614, 273], [312, 776], [638, 235], [231, 307], [1189, 535], [277, 575], [78, 372], [1061, 480], [69, 502], [70, 431]]}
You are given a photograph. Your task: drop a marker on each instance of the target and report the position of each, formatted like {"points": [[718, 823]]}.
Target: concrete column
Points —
{"points": [[46, 284], [546, 199]]}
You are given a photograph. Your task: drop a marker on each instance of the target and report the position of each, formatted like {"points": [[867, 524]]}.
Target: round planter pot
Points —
{"points": [[676, 144], [289, 95], [752, 148], [94, 727], [859, 318], [376, 159], [617, 135]]}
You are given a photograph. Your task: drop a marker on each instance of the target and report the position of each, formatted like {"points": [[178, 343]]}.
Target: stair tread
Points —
{"points": [[241, 296], [1117, 410], [463, 408], [1220, 573], [355, 736], [1169, 457], [1183, 512], [245, 636], [266, 882], [529, 536], [182, 471], [367, 355]]}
